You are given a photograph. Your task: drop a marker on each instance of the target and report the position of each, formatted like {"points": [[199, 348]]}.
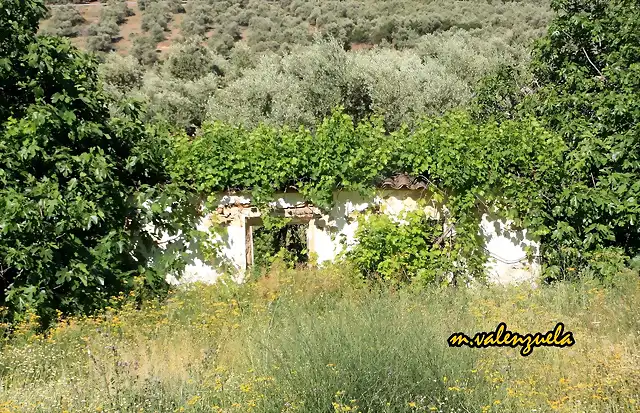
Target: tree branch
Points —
{"points": [[594, 66]]}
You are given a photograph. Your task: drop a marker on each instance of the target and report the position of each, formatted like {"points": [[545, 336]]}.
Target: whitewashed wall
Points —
{"points": [[506, 247]]}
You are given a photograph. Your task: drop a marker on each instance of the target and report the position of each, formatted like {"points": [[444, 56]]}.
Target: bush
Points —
{"points": [[105, 32], [222, 43], [101, 42], [121, 74], [107, 27], [156, 32], [264, 94], [116, 11], [397, 85], [156, 14], [403, 249], [179, 102]]}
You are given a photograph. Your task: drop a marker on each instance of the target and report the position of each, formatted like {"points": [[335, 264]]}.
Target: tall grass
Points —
{"points": [[320, 341]]}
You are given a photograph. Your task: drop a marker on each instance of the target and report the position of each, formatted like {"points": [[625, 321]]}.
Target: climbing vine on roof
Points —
{"points": [[508, 168]]}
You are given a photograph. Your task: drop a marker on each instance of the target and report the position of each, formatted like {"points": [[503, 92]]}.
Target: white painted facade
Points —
{"points": [[235, 215]]}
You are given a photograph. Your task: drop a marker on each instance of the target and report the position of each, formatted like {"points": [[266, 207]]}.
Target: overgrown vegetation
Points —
{"points": [[575, 183], [525, 148], [90, 181], [406, 249], [74, 180], [319, 341], [455, 154]]}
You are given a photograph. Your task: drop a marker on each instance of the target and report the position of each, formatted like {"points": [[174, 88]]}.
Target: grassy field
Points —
{"points": [[319, 341]]}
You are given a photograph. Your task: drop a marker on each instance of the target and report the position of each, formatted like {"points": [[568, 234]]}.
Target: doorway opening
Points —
{"points": [[264, 244]]}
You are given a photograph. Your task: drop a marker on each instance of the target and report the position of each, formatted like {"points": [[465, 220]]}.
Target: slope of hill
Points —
{"points": [[278, 25]]}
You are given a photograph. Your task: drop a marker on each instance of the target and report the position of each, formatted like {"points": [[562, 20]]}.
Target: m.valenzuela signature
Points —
{"points": [[502, 337]]}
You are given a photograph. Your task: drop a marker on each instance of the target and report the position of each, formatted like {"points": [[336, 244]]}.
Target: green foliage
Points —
{"points": [[287, 242], [409, 248], [156, 14], [145, 49], [103, 34], [276, 25], [439, 58], [197, 19], [121, 74], [510, 168], [191, 60], [499, 94], [101, 41], [587, 71], [75, 184], [65, 21], [309, 82], [338, 154], [180, 103], [116, 11]]}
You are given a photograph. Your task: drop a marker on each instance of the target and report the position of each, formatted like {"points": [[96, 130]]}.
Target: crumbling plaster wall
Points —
{"points": [[329, 232]]}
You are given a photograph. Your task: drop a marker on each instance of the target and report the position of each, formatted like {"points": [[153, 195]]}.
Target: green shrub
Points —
{"points": [[115, 10], [156, 14], [197, 19], [263, 94], [410, 248], [398, 86], [100, 42], [181, 103], [121, 74]]}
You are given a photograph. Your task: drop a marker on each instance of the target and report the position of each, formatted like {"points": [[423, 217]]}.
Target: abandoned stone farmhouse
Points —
{"points": [[328, 233]]}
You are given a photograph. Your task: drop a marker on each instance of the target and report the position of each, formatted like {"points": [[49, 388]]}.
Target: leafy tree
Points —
{"points": [[182, 103], [499, 94], [156, 32], [156, 14], [73, 181], [222, 43], [106, 27], [106, 31], [100, 42], [588, 68], [586, 82], [116, 11]]}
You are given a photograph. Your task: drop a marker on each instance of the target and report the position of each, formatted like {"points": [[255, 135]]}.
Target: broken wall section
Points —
{"points": [[332, 232]]}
